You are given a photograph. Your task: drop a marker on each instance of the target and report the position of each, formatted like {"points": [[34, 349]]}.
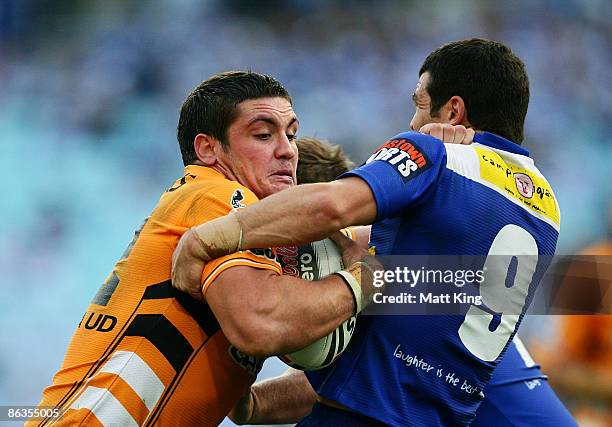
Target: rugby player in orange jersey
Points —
{"points": [[146, 354]]}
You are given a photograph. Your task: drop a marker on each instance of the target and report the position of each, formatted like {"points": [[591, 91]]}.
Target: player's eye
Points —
{"points": [[291, 137], [263, 136]]}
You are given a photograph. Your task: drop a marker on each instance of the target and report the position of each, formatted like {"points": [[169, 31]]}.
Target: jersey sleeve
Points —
{"points": [[256, 258], [403, 172]]}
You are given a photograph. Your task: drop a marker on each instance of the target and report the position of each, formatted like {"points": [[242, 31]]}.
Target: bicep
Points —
{"points": [[232, 294], [401, 174]]}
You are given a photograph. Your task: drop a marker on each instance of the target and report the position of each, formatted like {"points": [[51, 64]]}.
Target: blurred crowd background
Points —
{"points": [[89, 100]]}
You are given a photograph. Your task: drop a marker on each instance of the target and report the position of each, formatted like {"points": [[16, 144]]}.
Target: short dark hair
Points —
{"points": [[489, 77], [319, 161], [211, 107]]}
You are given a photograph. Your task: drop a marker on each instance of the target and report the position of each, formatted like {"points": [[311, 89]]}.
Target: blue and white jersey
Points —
{"points": [[484, 199], [516, 366], [518, 394]]}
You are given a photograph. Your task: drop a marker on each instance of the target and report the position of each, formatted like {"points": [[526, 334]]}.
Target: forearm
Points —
{"points": [[295, 216], [294, 313], [285, 399], [300, 215]]}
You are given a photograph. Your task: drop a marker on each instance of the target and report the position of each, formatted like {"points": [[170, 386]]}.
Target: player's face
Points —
{"points": [[422, 103], [262, 153]]}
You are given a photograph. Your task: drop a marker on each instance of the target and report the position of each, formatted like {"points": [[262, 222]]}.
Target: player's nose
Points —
{"points": [[285, 148]]}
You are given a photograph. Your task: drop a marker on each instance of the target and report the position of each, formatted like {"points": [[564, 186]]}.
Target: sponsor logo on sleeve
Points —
{"points": [[288, 259], [237, 198], [299, 261], [521, 184], [266, 253], [404, 155]]}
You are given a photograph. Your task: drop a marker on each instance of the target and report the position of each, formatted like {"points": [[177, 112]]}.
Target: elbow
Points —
{"points": [[254, 337]]}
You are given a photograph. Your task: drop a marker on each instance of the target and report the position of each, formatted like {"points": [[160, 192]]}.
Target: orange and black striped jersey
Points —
{"points": [[144, 353]]}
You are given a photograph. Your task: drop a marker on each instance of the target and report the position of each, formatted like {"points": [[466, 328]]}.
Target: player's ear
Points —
{"points": [[457, 112], [206, 148]]}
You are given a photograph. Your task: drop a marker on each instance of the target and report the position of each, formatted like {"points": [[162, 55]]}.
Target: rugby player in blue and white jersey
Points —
{"points": [[518, 393], [423, 197]]}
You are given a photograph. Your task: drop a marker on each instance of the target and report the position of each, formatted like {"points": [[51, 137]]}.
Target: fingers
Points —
{"points": [[433, 129], [469, 136], [462, 135], [351, 252], [346, 246], [341, 240], [458, 134], [448, 133], [186, 268]]}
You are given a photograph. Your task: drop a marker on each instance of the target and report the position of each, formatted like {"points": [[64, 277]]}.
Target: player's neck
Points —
{"points": [[219, 167], [225, 171]]}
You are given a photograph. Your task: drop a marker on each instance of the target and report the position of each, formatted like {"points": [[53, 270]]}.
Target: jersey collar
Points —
{"points": [[496, 141], [203, 171]]}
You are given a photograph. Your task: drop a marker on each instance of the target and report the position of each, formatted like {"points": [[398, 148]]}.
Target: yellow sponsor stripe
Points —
{"points": [[524, 185]]}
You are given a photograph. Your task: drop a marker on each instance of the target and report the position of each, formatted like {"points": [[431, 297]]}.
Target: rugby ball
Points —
{"points": [[313, 262]]}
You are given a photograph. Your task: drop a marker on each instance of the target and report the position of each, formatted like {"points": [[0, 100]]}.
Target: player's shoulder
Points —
{"points": [[419, 149], [205, 184], [509, 172], [201, 195], [462, 159], [426, 143], [227, 191]]}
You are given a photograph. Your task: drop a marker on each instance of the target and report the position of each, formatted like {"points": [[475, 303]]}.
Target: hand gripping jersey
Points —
{"points": [[145, 353], [484, 199]]}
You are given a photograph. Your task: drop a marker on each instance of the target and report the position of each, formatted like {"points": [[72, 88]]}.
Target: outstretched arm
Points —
{"points": [[299, 215], [295, 216], [306, 213]]}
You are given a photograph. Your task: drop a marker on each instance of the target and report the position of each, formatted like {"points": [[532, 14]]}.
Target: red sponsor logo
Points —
{"points": [[408, 147], [287, 256], [407, 158]]}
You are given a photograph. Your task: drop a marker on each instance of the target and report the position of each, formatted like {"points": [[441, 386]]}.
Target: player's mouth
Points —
{"points": [[283, 175]]}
